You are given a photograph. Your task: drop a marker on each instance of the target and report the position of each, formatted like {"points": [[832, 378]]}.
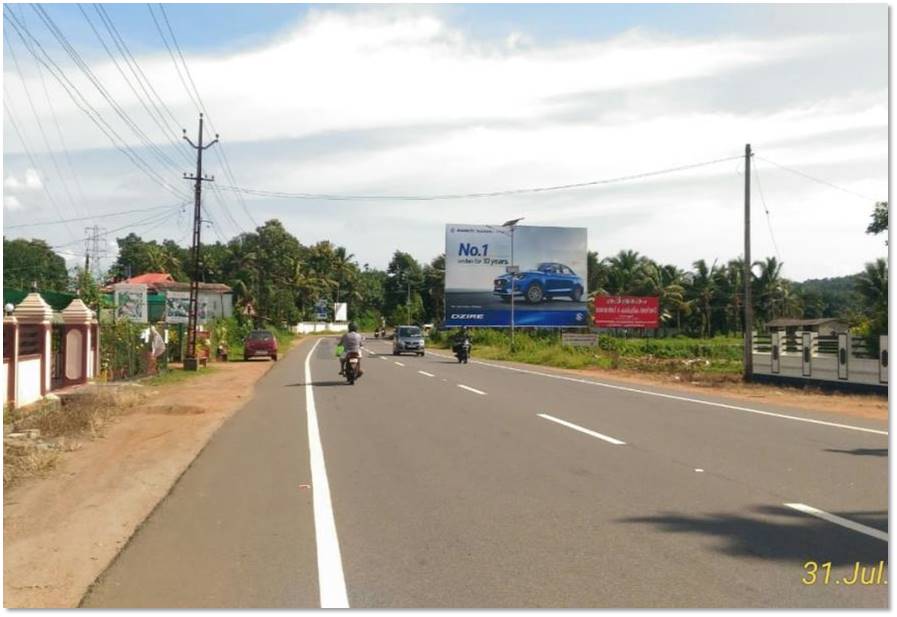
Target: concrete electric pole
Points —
{"points": [[191, 362], [748, 306]]}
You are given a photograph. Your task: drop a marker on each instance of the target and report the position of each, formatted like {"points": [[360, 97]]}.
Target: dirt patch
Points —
{"points": [[173, 410], [873, 406], [61, 531]]}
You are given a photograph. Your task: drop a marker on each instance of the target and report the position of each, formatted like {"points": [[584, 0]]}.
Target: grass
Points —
{"points": [[176, 375], [721, 356], [83, 414]]}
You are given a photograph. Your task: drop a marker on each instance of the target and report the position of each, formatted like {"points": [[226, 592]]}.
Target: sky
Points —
{"points": [[406, 100]]}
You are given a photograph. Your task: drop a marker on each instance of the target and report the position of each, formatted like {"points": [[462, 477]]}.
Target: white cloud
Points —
{"points": [[399, 101], [11, 202], [30, 182]]}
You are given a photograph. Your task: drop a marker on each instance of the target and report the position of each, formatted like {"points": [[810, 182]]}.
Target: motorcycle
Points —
{"points": [[353, 367], [462, 351]]}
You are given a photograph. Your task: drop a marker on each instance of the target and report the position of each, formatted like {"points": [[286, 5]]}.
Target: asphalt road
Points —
{"points": [[491, 485]]}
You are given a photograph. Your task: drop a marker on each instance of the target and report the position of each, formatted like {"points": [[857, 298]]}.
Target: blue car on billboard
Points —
{"points": [[546, 282]]}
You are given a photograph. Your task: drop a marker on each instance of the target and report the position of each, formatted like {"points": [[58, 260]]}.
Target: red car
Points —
{"points": [[260, 343]]}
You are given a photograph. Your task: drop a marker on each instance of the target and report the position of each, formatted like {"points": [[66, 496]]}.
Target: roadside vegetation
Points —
{"points": [[35, 436], [716, 358]]}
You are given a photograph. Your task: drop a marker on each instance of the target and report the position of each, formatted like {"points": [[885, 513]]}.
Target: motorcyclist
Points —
{"points": [[351, 342], [460, 338]]}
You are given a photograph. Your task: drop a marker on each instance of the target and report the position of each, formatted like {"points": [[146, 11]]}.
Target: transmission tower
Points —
{"points": [[95, 247]]}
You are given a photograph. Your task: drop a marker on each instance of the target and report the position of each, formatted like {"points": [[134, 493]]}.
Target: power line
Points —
{"points": [[543, 189], [814, 179], [83, 104], [43, 133], [160, 125], [163, 158], [201, 107], [150, 220], [136, 66], [90, 218], [34, 165], [772, 235]]}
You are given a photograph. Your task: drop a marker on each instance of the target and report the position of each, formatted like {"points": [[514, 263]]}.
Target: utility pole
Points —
{"points": [[748, 307], [191, 362]]}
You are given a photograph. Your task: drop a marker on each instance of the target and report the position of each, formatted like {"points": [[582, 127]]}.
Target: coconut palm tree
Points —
{"points": [[701, 291]]}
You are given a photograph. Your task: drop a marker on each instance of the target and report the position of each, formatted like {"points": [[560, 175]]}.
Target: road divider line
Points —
{"points": [[678, 398], [426, 374], [331, 580], [469, 389], [878, 534], [398, 364], [581, 429]]}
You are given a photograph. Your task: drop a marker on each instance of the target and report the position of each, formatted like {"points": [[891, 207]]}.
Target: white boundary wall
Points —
{"points": [[842, 367], [311, 327]]}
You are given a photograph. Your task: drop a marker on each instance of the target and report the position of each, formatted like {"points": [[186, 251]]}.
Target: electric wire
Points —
{"points": [[772, 235], [814, 179], [92, 217], [220, 152], [33, 45], [544, 189], [60, 37], [43, 133], [150, 220]]}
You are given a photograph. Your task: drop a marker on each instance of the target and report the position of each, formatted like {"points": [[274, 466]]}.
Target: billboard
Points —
{"points": [[130, 302], [626, 311], [340, 311], [177, 306], [549, 279]]}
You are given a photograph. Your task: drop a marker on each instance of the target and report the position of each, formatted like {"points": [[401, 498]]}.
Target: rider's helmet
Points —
{"points": [[353, 327]]}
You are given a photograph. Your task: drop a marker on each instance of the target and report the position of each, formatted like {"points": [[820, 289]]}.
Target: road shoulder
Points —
{"points": [[63, 530]]}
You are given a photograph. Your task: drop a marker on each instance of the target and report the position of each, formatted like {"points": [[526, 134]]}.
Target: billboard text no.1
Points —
{"points": [[549, 285], [626, 311]]}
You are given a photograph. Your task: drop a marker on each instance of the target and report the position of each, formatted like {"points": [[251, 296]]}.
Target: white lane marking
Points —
{"points": [[576, 427], [331, 581], [469, 389], [383, 357], [678, 398], [426, 374], [399, 364], [837, 520], [699, 470]]}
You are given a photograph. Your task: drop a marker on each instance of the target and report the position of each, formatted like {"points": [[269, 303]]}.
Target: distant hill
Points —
{"points": [[829, 297]]}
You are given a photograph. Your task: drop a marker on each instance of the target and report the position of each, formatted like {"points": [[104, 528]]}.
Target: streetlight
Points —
{"points": [[512, 270]]}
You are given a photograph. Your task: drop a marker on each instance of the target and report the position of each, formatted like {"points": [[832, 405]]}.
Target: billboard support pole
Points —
{"points": [[512, 288]]}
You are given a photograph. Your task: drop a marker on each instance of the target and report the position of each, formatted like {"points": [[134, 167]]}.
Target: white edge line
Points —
{"points": [[679, 398], [838, 520], [469, 389], [426, 374], [576, 427], [331, 581]]}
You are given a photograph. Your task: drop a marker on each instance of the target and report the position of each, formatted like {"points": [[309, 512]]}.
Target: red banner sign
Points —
{"points": [[626, 311]]}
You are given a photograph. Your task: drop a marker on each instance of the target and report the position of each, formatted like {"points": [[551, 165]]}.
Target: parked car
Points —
{"points": [[408, 339], [546, 282], [260, 343]]}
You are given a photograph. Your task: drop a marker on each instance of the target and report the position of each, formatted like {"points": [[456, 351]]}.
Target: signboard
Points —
{"points": [[341, 311], [579, 340], [548, 274], [177, 306], [626, 311], [130, 302], [322, 310]]}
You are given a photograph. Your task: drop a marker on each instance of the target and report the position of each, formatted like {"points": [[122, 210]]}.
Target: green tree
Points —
{"points": [[33, 261], [402, 301], [879, 219], [872, 285]]}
